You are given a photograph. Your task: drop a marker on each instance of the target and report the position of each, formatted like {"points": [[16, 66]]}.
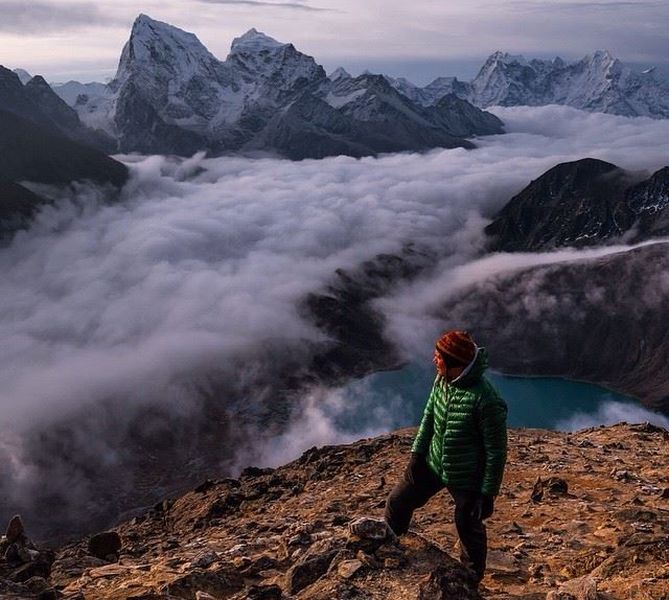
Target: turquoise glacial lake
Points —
{"points": [[397, 398]]}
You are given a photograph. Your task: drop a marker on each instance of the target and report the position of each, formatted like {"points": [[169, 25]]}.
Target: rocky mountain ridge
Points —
{"points": [[34, 153], [580, 516], [583, 203], [598, 82], [171, 95]]}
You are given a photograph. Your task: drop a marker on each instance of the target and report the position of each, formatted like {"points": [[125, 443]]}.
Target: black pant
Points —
{"points": [[417, 486]]}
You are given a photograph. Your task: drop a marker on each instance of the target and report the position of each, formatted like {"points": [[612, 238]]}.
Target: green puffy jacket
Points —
{"points": [[463, 431]]}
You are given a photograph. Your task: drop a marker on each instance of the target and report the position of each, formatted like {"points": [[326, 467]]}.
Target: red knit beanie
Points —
{"points": [[458, 346]]}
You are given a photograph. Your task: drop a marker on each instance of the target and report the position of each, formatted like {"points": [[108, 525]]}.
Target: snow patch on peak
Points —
{"points": [[146, 28], [254, 41], [506, 58], [155, 43], [23, 75], [339, 73], [600, 56]]}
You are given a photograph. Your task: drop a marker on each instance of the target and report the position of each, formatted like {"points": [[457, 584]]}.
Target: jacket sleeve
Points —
{"points": [[493, 412], [421, 443]]}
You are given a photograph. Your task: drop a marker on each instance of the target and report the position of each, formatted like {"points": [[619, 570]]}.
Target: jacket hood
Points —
{"points": [[474, 371]]}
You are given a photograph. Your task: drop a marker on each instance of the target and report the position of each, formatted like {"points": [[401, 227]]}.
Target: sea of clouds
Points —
{"points": [[201, 267]]}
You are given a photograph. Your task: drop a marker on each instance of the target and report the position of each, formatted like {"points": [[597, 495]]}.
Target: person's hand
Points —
{"points": [[483, 507]]}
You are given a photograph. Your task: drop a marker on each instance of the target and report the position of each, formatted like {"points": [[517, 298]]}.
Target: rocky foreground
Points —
{"points": [[583, 515]]}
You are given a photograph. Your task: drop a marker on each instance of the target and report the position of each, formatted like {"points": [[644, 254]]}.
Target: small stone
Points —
{"points": [[558, 595], [368, 560], [514, 529], [370, 529], [263, 592], [199, 595], [348, 568], [622, 475], [582, 588], [204, 560]]}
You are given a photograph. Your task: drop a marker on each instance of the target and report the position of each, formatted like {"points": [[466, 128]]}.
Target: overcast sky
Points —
{"points": [[421, 39]]}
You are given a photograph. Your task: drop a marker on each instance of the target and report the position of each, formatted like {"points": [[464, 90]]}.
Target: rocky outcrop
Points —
{"points": [[38, 103], [583, 203], [31, 153], [594, 534], [34, 153]]}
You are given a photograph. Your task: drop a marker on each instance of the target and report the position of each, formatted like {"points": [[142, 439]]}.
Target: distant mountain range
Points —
{"points": [[171, 95]]}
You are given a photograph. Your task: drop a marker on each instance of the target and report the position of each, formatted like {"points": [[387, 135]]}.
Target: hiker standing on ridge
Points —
{"points": [[460, 445]]}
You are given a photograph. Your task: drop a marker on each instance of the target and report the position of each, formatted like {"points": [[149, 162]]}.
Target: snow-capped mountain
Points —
{"points": [[71, 90], [170, 94], [433, 92], [598, 82]]}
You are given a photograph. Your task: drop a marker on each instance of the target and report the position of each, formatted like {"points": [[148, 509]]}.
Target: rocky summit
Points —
{"points": [[580, 516], [583, 203]]}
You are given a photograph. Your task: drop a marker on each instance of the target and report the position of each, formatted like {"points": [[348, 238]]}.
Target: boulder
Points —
{"points": [[311, 566], [104, 545], [15, 529]]}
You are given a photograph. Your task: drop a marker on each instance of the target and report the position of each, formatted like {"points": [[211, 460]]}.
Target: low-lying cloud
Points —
{"points": [[185, 295], [611, 412]]}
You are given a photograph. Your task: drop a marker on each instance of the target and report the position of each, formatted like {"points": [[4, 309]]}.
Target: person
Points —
{"points": [[460, 445]]}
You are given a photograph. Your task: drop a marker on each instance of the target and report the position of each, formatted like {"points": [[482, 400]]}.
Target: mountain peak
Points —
{"points": [[254, 41], [506, 58], [23, 75], [154, 42], [339, 73], [146, 28]]}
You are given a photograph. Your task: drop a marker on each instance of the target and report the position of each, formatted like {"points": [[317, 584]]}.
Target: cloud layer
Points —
{"points": [[37, 18], [185, 294]]}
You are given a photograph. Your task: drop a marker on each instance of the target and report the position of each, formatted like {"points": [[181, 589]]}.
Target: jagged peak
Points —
{"points": [[254, 41], [339, 73], [602, 60], [173, 44], [601, 55], [506, 58], [440, 82], [23, 75], [405, 81], [146, 27]]}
